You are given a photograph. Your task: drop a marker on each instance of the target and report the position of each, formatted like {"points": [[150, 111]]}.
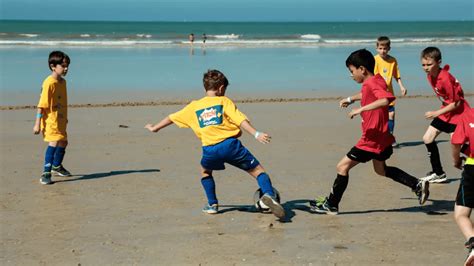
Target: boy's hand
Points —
{"points": [[404, 91], [36, 129], [263, 138], [344, 102], [431, 114], [150, 128], [354, 112], [458, 163]]}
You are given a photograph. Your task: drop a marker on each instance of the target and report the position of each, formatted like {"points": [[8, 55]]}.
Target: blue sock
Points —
{"points": [[48, 158], [265, 184], [391, 125], [59, 156], [210, 188]]}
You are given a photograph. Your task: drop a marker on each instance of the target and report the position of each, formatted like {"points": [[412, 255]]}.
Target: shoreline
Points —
{"points": [[183, 102]]}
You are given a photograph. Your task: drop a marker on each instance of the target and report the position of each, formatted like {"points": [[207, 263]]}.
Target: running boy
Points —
{"points": [[376, 140], [51, 116], [217, 122], [464, 133], [387, 67], [453, 104]]}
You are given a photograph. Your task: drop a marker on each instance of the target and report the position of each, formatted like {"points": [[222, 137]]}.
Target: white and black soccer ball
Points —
{"points": [[259, 204]]}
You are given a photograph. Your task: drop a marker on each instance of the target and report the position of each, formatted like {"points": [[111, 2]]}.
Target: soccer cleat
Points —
{"points": [[210, 209], [321, 205], [422, 191], [274, 206], [434, 178], [46, 179], [60, 171]]}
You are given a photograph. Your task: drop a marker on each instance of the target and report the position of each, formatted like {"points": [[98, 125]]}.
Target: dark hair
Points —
{"points": [[383, 40], [213, 79], [57, 58], [363, 58], [431, 52]]}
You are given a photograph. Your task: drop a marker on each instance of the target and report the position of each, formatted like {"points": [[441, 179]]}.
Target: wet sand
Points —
{"points": [[135, 197]]}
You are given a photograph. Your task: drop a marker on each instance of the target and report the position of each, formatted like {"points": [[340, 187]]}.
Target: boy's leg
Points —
{"points": [[421, 188], [48, 162], [265, 185], [437, 173], [341, 181], [209, 186], [461, 215], [391, 120], [58, 168]]}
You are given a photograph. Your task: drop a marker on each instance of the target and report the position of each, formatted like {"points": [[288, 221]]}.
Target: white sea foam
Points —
{"points": [[311, 36], [28, 35], [225, 36], [85, 35], [144, 35]]}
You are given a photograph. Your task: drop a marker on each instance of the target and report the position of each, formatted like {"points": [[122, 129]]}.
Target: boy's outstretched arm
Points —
{"points": [[260, 136], [37, 126], [448, 108], [162, 124], [349, 100], [374, 105], [402, 88]]}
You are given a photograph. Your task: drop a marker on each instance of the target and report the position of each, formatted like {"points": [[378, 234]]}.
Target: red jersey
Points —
{"points": [[465, 131], [448, 90], [375, 134]]}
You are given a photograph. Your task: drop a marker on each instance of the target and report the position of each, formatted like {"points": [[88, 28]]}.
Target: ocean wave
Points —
{"points": [[225, 36], [29, 35], [144, 35], [311, 36], [85, 35]]}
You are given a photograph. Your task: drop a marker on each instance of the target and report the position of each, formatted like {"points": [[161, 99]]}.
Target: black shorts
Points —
{"points": [[465, 195], [443, 126], [362, 156]]}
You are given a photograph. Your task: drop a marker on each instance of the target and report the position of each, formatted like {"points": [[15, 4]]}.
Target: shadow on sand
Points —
{"points": [[106, 174], [415, 143]]}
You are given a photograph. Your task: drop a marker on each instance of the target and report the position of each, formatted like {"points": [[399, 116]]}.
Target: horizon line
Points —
{"points": [[239, 21]]}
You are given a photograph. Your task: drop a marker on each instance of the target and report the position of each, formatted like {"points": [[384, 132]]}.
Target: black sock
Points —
{"points": [[338, 188], [401, 177], [435, 161]]}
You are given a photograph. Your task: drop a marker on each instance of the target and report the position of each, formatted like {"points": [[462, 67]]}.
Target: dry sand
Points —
{"points": [[136, 198]]}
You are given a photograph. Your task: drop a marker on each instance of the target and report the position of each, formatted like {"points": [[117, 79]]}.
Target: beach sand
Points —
{"points": [[136, 198]]}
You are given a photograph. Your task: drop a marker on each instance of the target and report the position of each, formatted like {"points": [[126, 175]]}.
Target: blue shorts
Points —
{"points": [[229, 151], [391, 108]]}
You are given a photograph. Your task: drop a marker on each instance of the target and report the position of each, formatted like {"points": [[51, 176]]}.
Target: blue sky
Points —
{"points": [[238, 10]]}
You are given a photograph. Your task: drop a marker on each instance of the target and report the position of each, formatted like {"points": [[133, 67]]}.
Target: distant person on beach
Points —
{"points": [[217, 122], [464, 134], [191, 38], [204, 38], [376, 141], [450, 93], [387, 66], [51, 116]]}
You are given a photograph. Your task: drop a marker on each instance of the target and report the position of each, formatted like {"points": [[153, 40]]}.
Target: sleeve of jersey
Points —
{"points": [[396, 71], [452, 88], [45, 96], [235, 116], [381, 93], [183, 118]]}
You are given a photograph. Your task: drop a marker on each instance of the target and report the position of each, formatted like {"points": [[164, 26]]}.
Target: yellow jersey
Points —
{"points": [[213, 119], [53, 101], [388, 69]]}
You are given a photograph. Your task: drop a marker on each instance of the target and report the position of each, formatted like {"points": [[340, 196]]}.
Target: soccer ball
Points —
{"points": [[259, 204]]}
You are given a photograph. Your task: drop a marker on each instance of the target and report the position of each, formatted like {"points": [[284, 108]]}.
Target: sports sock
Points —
{"points": [[338, 188], [48, 158], [59, 156], [391, 125], [401, 177], [210, 188], [265, 184], [435, 161]]}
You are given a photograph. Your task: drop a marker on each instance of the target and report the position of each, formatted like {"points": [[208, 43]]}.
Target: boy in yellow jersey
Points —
{"points": [[464, 134], [51, 116], [217, 122], [387, 67]]}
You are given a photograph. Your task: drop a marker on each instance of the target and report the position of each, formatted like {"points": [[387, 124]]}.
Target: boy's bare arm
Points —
{"points": [[455, 151], [162, 124], [37, 126], [402, 88], [374, 105], [349, 100], [448, 108], [260, 136]]}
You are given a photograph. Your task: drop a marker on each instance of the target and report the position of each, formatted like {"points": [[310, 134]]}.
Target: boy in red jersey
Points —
{"points": [[451, 95], [376, 141], [463, 134]]}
